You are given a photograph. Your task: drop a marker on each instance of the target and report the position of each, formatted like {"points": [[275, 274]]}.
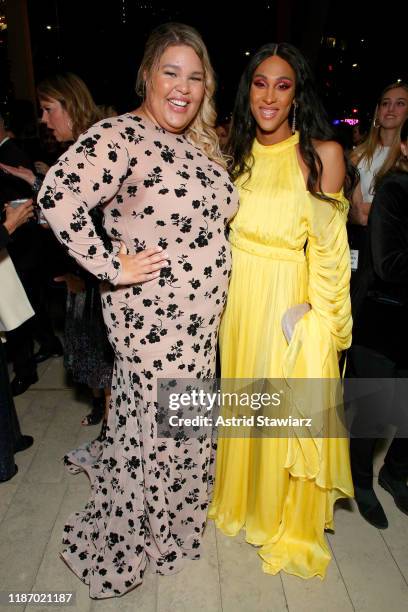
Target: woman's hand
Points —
{"points": [[20, 172], [142, 267], [41, 167], [18, 216], [358, 214], [74, 283], [291, 318], [359, 210]]}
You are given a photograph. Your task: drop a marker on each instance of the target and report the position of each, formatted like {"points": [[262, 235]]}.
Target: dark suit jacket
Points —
{"points": [[26, 240], [380, 301], [12, 188]]}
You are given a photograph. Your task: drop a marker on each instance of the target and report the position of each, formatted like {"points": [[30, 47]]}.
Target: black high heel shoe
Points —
{"points": [[97, 412]]}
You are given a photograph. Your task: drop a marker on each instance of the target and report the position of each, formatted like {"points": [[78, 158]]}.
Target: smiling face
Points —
{"points": [[175, 89], [56, 119], [393, 108], [271, 96]]}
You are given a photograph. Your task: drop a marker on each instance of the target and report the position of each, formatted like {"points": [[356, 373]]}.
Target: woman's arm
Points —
{"points": [[20, 172], [359, 209], [334, 167], [91, 173], [327, 252]]}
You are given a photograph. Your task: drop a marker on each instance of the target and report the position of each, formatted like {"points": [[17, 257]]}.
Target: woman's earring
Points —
{"points": [[294, 117], [376, 124]]}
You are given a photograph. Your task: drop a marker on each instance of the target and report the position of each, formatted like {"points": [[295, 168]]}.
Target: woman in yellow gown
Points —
{"points": [[289, 247]]}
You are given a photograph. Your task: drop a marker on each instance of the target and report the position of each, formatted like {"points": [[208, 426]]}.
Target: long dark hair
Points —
{"points": [[311, 120]]}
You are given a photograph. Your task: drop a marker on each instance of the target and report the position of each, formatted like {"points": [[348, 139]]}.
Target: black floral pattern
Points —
{"points": [[149, 496]]}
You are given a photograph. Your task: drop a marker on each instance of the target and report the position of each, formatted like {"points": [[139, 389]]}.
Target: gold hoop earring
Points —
{"points": [[294, 116], [375, 123]]}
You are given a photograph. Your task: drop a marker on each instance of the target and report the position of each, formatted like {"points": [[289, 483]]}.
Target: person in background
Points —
{"points": [[380, 340], [360, 132], [222, 128], [374, 156], [343, 134], [29, 257], [12, 187], [288, 312], [68, 109], [11, 439]]}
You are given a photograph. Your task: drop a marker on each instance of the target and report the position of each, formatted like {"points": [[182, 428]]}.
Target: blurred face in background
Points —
{"points": [[357, 135], [404, 148], [56, 119], [175, 89], [393, 108], [222, 131]]}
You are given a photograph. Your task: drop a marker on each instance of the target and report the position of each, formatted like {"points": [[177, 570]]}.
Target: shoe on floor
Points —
{"points": [[370, 508], [46, 352], [21, 383], [98, 410], [396, 487], [23, 443]]}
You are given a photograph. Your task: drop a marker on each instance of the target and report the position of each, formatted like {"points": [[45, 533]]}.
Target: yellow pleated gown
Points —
{"points": [[282, 491]]}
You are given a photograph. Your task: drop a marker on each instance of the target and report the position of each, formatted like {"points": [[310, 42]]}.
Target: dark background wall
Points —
{"points": [[103, 42]]}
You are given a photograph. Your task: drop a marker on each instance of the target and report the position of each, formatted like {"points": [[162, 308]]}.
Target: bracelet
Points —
{"points": [[37, 184]]}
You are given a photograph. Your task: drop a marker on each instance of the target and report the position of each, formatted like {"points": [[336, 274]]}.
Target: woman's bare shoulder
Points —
{"points": [[332, 157]]}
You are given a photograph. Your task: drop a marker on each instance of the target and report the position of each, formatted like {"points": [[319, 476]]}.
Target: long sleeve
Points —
{"points": [[389, 232], [328, 259], [311, 366], [89, 174]]}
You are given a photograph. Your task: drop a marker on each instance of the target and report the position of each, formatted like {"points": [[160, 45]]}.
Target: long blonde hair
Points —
{"points": [[201, 132], [365, 151], [75, 97]]}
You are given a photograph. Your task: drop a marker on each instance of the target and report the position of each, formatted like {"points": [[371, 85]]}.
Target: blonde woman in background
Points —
{"points": [[68, 109], [374, 156]]}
